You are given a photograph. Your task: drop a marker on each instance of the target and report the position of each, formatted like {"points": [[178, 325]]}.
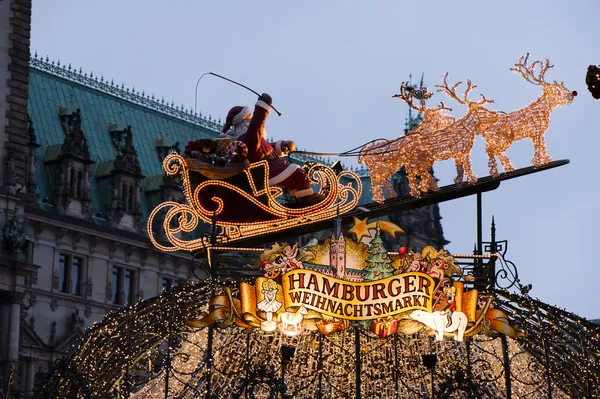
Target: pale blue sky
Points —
{"points": [[332, 68]]}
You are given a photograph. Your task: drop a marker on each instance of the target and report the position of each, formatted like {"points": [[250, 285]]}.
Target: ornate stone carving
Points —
{"points": [[88, 287], [76, 319], [162, 260], [38, 228], [32, 299], [60, 233], [75, 142], [93, 241], [128, 253], [108, 291], [55, 279], [112, 249], [127, 157], [16, 297], [125, 179], [77, 239], [53, 304], [14, 233], [144, 255], [72, 164], [33, 145], [10, 173], [32, 322], [52, 333], [86, 199], [34, 277], [88, 310]]}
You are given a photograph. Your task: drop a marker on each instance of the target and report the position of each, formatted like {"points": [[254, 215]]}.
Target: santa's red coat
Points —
{"points": [[281, 172]]}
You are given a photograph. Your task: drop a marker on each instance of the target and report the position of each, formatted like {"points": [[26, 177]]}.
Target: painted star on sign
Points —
{"points": [[361, 228]]}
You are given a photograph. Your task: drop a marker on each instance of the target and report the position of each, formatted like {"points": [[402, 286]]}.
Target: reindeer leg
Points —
{"points": [[459, 171], [412, 183], [506, 164], [377, 190], [540, 156], [471, 178], [492, 163], [423, 183], [389, 189], [544, 157], [430, 182]]}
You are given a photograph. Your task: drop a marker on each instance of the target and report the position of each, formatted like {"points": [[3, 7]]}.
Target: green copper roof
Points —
{"points": [[56, 89]]}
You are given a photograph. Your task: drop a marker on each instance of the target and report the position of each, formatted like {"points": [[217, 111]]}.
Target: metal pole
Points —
{"points": [[479, 225], [469, 368], [481, 278], [546, 355], [357, 359], [493, 250], [320, 366], [209, 362], [170, 340], [432, 386], [129, 336], [396, 383], [247, 360], [586, 364], [209, 345], [506, 358]]}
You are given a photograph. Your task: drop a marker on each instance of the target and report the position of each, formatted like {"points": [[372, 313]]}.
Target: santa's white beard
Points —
{"points": [[241, 129]]}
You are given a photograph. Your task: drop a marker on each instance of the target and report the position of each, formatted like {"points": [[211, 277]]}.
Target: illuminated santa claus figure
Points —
{"points": [[250, 129]]}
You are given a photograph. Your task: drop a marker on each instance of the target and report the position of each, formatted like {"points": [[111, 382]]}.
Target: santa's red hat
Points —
{"points": [[235, 116]]}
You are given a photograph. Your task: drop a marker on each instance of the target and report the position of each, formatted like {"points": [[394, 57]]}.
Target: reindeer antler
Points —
{"points": [[528, 71], [440, 107], [451, 91], [407, 94], [485, 100]]}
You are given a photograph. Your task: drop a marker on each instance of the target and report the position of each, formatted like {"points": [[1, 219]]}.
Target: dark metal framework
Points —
{"points": [[558, 357], [149, 351]]}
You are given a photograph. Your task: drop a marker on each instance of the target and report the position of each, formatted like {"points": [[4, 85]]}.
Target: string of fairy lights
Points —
{"points": [[149, 351], [182, 218], [119, 356]]}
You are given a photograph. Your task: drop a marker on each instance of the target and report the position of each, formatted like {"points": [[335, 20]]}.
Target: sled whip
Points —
{"points": [[237, 83]]}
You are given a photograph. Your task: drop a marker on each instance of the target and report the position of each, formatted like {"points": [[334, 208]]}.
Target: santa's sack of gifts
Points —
{"points": [[384, 327]]}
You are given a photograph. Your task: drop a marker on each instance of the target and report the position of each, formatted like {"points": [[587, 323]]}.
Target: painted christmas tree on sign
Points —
{"points": [[379, 264]]}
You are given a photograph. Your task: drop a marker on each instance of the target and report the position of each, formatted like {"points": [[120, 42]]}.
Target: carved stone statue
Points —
{"points": [[14, 233]]}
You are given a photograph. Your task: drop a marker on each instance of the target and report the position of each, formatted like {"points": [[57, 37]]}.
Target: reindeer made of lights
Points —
{"points": [[529, 122], [383, 158], [456, 141]]}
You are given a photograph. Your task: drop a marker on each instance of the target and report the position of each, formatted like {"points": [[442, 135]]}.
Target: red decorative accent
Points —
{"points": [[384, 327], [402, 250], [236, 207]]}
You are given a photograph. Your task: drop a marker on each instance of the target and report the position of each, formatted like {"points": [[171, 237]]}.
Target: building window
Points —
{"points": [[169, 284], [70, 274], [166, 284], [79, 185], [123, 285]]}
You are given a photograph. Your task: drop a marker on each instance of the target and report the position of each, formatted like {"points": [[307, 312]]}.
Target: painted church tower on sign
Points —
{"points": [[337, 255]]}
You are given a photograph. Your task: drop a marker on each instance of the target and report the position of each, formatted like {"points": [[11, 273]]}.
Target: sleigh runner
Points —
{"points": [[238, 199]]}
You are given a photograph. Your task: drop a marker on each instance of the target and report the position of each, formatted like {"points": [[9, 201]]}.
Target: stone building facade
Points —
{"points": [[80, 172]]}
